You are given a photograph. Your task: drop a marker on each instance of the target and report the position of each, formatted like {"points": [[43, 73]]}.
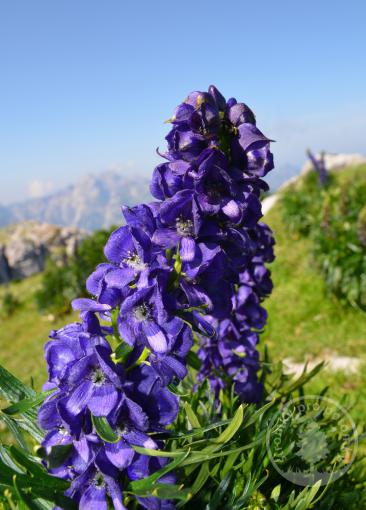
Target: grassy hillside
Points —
{"points": [[306, 322], [23, 334]]}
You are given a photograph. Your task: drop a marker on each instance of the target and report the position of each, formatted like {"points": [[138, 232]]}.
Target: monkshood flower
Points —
{"points": [[180, 218], [193, 259], [203, 121], [131, 261], [319, 166], [231, 357], [135, 406], [257, 276]]}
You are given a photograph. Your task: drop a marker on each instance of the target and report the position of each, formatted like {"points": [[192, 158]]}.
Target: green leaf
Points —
{"points": [[169, 491], [6, 474], [157, 453], [207, 454], [58, 455], [14, 428], [219, 494], [24, 501], [192, 418], [21, 504], [29, 425], [122, 352], [42, 486], [5, 457], [305, 377], [146, 484], [104, 430], [26, 403], [12, 389], [174, 389], [275, 494], [232, 428], [312, 493], [202, 430], [230, 461], [27, 461], [258, 414], [193, 360], [201, 478]]}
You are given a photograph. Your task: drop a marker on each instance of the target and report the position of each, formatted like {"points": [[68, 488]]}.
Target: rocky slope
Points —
{"points": [[93, 202], [333, 162], [24, 248]]}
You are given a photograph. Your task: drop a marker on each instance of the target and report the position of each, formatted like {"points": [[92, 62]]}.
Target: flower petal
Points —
{"points": [[155, 337], [120, 454], [119, 245], [103, 399], [165, 237], [120, 277], [232, 210], [89, 305], [187, 249], [140, 439], [115, 493], [249, 134], [79, 398], [93, 498]]}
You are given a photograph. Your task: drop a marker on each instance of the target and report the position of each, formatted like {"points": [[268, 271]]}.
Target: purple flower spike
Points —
{"points": [[192, 260], [319, 166]]}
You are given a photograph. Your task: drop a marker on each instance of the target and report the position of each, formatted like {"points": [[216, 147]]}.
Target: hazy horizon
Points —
{"points": [[86, 87]]}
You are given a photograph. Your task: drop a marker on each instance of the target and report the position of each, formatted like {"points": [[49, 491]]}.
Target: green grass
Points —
{"points": [[24, 333], [306, 322], [303, 320]]}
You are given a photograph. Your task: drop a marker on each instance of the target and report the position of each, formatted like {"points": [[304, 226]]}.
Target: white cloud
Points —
{"points": [[38, 188]]}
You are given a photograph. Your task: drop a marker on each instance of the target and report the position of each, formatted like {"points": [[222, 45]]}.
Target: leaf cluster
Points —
{"points": [[334, 217], [221, 459]]}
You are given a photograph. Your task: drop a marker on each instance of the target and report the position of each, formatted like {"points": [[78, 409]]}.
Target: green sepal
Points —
{"points": [[122, 352], [193, 360], [104, 430]]}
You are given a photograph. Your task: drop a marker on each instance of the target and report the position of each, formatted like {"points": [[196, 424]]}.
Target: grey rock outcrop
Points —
{"points": [[27, 245], [4, 267]]}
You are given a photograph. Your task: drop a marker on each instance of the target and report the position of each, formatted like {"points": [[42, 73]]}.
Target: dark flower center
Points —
{"points": [[62, 431], [184, 227], [134, 261], [99, 481], [121, 429], [142, 312], [215, 190], [98, 378]]}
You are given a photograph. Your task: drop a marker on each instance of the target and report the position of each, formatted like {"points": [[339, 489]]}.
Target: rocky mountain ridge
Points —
{"points": [[92, 203]]}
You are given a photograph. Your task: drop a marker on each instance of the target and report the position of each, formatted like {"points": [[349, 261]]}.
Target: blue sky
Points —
{"points": [[86, 85]]}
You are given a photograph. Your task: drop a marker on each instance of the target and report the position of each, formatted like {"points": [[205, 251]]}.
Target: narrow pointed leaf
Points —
{"points": [[26, 404], [232, 428], [104, 430], [148, 483]]}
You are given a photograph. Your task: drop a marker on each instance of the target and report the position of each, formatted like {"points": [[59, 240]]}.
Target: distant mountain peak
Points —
{"points": [[91, 203]]}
